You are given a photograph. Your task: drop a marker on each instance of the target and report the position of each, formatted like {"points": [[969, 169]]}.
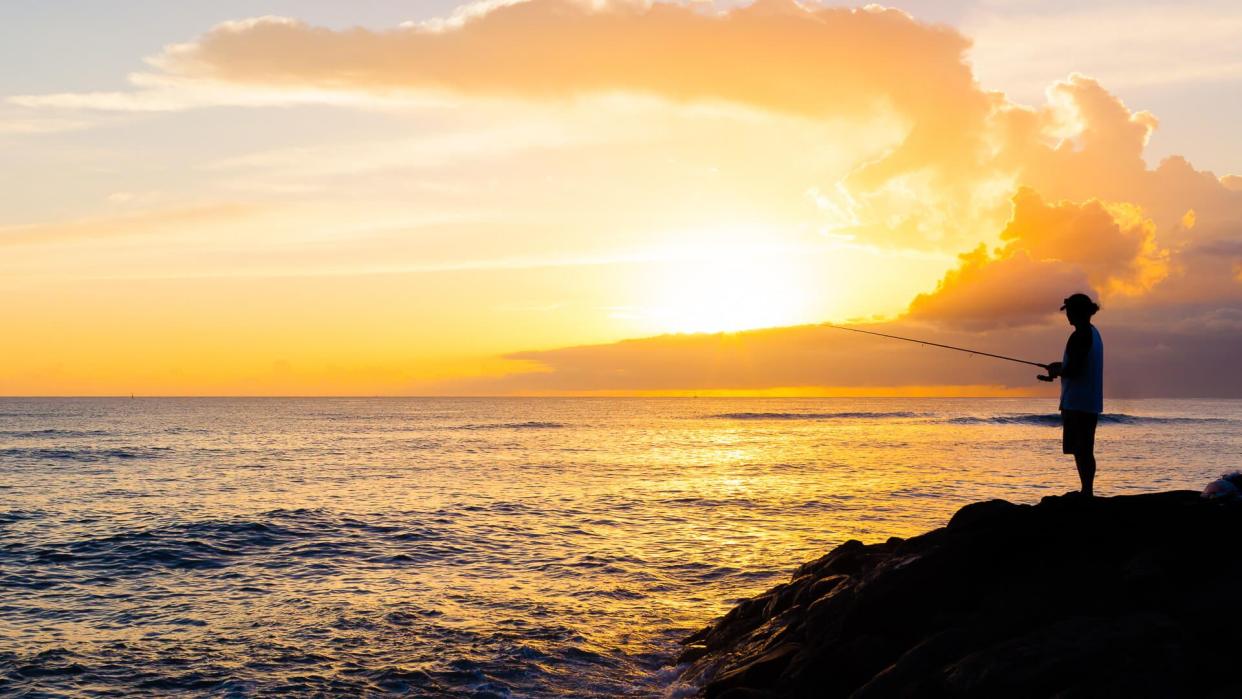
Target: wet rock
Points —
{"points": [[1124, 596]]}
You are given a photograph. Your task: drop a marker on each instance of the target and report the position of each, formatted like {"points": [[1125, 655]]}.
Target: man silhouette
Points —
{"points": [[1081, 371]]}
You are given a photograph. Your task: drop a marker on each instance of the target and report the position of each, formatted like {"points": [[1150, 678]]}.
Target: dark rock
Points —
{"points": [[845, 558], [978, 513], [816, 588], [691, 653], [1124, 596], [745, 693], [757, 672], [914, 673]]}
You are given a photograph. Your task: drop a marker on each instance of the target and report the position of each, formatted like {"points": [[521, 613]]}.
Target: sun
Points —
{"points": [[727, 282]]}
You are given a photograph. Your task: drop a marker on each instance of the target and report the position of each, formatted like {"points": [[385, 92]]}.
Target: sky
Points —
{"points": [[609, 197]]}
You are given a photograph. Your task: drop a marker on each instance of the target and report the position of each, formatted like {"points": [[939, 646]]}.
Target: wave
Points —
{"points": [[83, 455], [1044, 419], [306, 540], [855, 415], [529, 425], [39, 434], [1054, 419], [12, 516]]}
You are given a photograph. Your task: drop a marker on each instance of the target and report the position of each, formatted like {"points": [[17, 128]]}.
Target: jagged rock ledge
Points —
{"points": [[1124, 596]]}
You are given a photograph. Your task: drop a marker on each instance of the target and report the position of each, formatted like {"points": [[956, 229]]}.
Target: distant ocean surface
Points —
{"points": [[481, 547]]}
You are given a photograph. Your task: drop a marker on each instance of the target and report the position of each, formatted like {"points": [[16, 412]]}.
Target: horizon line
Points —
{"points": [[574, 396]]}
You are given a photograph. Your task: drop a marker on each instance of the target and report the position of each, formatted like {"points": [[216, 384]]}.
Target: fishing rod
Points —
{"points": [[949, 347]]}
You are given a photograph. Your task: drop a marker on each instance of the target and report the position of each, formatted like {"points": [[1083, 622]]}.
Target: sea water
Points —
{"points": [[482, 547]]}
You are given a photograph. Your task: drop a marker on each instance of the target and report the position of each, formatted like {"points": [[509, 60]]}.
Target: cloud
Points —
{"points": [[1134, 229], [494, 140], [986, 292], [1050, 251], [871, 64], [461, 15], [1097, 152], [156, 93], [1114, 244], [829, 61], [1177, 355], [944, 182]]}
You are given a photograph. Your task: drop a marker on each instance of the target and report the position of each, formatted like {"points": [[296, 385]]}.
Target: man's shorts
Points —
{"points": [[1078, 436]]}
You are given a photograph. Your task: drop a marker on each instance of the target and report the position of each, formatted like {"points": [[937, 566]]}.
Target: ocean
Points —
{"points": [[482, 547]]}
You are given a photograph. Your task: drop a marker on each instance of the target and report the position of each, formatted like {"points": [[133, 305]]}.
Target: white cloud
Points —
{"points": [[163, 93], [461, 15]]}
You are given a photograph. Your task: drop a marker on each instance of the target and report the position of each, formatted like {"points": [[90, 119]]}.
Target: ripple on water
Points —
{"points": [[53, 433], [527, 425], [845, 415], [89, 454]]}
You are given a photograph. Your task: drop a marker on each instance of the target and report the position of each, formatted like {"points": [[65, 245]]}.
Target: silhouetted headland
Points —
{"points": [[1122, 596]]}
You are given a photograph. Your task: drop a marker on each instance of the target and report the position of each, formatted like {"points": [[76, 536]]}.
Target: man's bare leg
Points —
{"points": [[1086, 472]]}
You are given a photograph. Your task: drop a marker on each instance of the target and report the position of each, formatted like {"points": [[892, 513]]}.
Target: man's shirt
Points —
{"points": [[1082, 371]]}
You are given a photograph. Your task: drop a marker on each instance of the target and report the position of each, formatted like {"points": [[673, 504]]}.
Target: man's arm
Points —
{"points": [[1077, 348]]}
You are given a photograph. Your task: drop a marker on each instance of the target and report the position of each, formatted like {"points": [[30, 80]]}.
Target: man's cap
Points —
{"points": [[1080, 301]]}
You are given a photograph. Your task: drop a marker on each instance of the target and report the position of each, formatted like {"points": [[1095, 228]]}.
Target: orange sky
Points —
{"points": [[490, 204]]}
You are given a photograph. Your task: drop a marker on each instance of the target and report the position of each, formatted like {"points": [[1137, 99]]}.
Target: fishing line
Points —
{"points": [[936, 344]]}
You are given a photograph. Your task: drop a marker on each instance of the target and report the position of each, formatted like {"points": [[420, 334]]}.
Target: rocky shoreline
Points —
{"points": [[1122, 596]]}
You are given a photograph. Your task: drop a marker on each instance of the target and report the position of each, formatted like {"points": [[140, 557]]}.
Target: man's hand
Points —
{"points": [[1054, 370]]}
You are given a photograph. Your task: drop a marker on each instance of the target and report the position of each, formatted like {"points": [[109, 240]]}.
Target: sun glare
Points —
{"points": [[727, 283]]}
